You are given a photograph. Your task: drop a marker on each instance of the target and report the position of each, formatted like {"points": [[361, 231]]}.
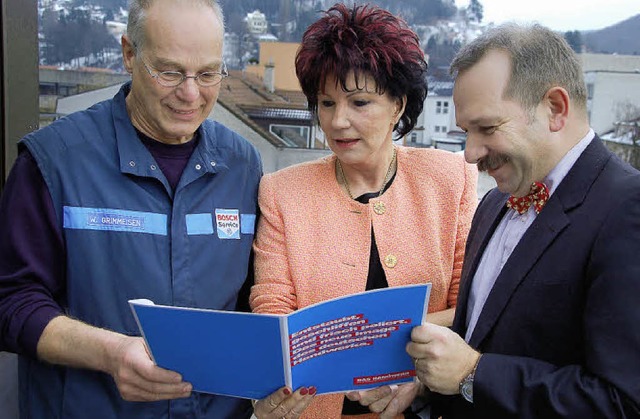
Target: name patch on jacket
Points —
{"points": [[108, 219], [226, 223]]}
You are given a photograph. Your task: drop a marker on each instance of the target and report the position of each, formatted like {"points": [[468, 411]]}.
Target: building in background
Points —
{"points": [[257, 23], [613, 89], [231, 52], [56, 83], [276, 66], [436, 125]]}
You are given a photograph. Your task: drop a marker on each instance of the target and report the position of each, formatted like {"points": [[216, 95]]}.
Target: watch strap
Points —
{"points": [[466, 385]]}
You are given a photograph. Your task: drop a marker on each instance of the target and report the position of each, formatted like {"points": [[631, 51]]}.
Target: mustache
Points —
{"points": [[492, 161]]}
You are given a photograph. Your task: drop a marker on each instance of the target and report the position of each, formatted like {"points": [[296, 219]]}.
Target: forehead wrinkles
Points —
{"points": [[182, 28], [171, 62]]}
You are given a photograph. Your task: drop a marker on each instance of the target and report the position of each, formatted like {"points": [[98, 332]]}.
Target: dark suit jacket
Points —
{"points": [[560, 330]]}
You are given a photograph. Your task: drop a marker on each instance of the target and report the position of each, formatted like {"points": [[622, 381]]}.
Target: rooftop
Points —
{"points": [[244, 95]]}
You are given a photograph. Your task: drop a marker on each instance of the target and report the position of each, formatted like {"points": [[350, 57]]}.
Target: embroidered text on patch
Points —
{"points": [[228, 223], [97, 219]]}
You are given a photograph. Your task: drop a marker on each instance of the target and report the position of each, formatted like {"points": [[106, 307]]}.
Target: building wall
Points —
{"points": [[439, 116], [609, 93], [612, 80], [80, 80], [282, 56], [609, 62], [435, 121], [419, 137]]}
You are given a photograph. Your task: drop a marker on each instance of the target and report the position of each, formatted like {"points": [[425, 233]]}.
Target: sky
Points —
{"points": [[559, 15]]}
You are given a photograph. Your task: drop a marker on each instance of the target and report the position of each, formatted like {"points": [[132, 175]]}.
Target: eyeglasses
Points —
{"points": [[175, 78]]}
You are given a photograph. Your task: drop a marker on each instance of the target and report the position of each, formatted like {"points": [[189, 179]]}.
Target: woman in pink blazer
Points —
{"points": [[371, 215]]}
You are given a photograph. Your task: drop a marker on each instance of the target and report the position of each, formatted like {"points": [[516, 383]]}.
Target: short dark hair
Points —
{"points": [[369, 41]]}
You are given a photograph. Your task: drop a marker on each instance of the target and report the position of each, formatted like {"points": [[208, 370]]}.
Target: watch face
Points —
{"points": [[466, 389]]}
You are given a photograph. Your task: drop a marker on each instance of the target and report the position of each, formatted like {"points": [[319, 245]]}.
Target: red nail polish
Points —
{"points": [[286, 391], [312, 390], [304, 391]]}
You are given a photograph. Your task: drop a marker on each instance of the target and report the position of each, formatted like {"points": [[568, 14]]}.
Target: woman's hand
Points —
{"points": [[283, 404]]}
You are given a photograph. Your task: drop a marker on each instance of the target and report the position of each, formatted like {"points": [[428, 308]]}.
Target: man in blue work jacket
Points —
{"points": [[122, 201]]}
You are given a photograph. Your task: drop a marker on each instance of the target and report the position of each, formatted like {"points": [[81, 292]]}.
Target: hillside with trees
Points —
{"points": [[74, 32], [289, 18], [621, 38], [67, 35], [71, 30]]}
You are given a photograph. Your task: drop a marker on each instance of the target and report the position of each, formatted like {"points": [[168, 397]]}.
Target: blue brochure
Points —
{"points": [[350, 343]]}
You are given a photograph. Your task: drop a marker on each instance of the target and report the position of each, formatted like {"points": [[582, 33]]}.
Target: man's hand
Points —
{"points": [[283, 404], [69, 342], [441, 356], [389, 401], [139, 379]]}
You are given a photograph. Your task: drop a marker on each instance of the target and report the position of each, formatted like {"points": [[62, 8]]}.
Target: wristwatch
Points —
{"points": [[466, 385]]}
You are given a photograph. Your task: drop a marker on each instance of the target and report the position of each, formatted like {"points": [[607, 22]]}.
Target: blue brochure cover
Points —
{"points": [[349, 343]]}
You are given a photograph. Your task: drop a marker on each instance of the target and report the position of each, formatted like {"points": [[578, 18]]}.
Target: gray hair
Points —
{"points": [[137, 17], [540, 59]]}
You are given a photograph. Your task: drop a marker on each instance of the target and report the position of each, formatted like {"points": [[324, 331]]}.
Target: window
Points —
{"points": [[440, 128], [442, 107], [414, 137]]}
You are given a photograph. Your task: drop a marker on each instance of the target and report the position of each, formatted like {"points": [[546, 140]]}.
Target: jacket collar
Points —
{"points": [[135, 159]]}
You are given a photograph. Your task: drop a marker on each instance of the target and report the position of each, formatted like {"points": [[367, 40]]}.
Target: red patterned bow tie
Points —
{"points": [[538, 196]]}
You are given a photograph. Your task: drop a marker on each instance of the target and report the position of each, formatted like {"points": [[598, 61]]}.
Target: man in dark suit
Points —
{"points": [[548, 321]]}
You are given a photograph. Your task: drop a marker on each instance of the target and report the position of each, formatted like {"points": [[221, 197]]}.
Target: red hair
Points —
{"points": [[369, 41]]}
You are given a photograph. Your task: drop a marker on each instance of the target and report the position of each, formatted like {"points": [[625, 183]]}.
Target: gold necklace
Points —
{"points": [[384, 182]]}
